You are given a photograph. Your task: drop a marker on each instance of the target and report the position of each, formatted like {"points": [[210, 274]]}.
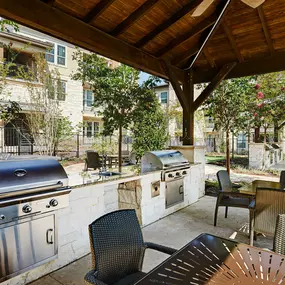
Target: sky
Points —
{"points": [[143, 77]]}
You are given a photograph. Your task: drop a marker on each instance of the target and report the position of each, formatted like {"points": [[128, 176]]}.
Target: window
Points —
{"points": [[163, 97], [57, 55], [50, 55], [90, 129], [61, 90], [61, 55], [88, 98], [241, 141]]}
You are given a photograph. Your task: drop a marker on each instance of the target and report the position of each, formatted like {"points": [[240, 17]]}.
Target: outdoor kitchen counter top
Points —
{"points": [[83, 178]]}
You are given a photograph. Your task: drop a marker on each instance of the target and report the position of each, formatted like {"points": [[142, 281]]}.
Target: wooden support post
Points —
{"points": [[188, 116]]}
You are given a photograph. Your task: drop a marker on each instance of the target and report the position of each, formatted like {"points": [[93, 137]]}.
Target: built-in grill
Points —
{"points": [[31, 192], [174, 167]]}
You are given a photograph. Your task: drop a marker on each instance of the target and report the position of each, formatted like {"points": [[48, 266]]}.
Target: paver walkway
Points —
{"points": [[175, 230]]}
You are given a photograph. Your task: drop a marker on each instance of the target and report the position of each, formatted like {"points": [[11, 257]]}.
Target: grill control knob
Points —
{"points": [[27, 209], [170, 175], [177, 173], [53, 202], [2, 217], [184, 172]]}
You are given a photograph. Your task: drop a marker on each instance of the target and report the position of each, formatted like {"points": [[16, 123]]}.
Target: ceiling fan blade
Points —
{"points": [[253, 3], [202, 7]]}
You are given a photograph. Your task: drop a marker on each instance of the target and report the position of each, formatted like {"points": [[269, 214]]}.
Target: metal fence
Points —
{"points": [[14, 141]]}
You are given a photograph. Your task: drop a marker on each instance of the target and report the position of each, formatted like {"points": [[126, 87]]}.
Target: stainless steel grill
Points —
{"points": [[31, 192], [174, 167]]}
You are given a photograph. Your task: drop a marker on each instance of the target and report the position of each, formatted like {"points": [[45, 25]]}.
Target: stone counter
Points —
{"points": [[89, 202]]}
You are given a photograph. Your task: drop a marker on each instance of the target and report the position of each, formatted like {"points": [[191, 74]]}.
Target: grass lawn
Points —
{"points": [[212, 159]]}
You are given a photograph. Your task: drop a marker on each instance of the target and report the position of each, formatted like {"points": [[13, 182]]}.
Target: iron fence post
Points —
{"points": [[77, 149], [19, 143]]}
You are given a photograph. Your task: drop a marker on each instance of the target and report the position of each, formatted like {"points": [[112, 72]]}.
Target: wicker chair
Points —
{"points": [[92, 160], [282, 180], [269, 203], [229, 196], [118, 249], [279, 237]]}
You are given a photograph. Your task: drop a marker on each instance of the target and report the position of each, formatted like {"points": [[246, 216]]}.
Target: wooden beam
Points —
{"points": [[212, 32], [232, 41], [98, 10], [169, 22], [188, 116], [135, 16], [50, 2], [44, 18], [176, 85], [202, 26], [265, 29], [224, 71], [209, 57]]}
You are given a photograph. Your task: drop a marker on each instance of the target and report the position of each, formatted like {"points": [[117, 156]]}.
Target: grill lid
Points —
{"points": [[19, 174], [164, 159]]}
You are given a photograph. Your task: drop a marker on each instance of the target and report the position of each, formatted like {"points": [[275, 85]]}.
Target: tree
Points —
{"points": [[45, 122], [150, 126], [228, 107], [117, 92]]}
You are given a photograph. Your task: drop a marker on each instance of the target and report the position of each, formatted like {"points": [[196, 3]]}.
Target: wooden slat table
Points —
{"points": [[213, 260]]}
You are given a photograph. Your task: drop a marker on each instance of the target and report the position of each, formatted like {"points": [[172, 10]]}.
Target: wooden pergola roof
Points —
{"points": [[162, 37]]}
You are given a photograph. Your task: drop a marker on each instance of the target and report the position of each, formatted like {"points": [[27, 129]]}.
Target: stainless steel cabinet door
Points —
{"points": [[174, 192], [25, 244]]}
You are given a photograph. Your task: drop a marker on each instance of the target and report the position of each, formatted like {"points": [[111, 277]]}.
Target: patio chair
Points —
{"points": [[228, 195], [92, 160], [118, 248], [282, 180], [266, 207], [279, 237]]}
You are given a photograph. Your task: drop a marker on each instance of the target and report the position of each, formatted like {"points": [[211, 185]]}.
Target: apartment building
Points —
{"points": [[78, 99]]}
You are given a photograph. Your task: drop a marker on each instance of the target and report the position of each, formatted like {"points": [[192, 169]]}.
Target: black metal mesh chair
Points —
{"points": [[92, 160], [117, 249], [279, 237], [282, 180], [229, 196]]}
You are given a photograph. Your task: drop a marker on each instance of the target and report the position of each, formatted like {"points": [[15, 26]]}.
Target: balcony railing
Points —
{"points": [[20, 71]]}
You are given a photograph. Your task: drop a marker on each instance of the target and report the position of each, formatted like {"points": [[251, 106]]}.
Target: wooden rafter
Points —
{"points": [[265, 28], [209, 57], [135, 16], [232, 41], [202, 26], [169, 22], [75, 31], [219, 77], [98, 10], [176, 85], [50, 2]]}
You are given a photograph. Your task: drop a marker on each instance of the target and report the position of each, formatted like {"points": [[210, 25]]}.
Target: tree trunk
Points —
{"points": [[257, 135], [233, 145], [120, 148], [275, 131], [265, 132], [228, 159]]}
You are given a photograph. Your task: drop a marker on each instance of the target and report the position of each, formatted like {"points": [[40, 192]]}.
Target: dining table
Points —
{"points": [[250, 188], [210, 259]]}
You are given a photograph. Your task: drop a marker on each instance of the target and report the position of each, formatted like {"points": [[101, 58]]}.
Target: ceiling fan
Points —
{"points": [[202, 7]]}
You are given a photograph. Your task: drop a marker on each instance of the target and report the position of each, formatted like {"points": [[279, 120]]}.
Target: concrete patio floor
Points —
{"points": [[175, 230]]}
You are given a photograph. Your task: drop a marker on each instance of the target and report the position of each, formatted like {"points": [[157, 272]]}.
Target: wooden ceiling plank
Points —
{"points": [[222, 14], [232, 41], [176, 85], [218, 78], [169, 22], [46, 19], [265, 28], [182, 57], [202, 26], [134, 17], [98, 10], [51, 2], [209, 58]]}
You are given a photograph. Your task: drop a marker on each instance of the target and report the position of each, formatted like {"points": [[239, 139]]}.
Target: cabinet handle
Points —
{"points": [[181, 190], [49, 236]]}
